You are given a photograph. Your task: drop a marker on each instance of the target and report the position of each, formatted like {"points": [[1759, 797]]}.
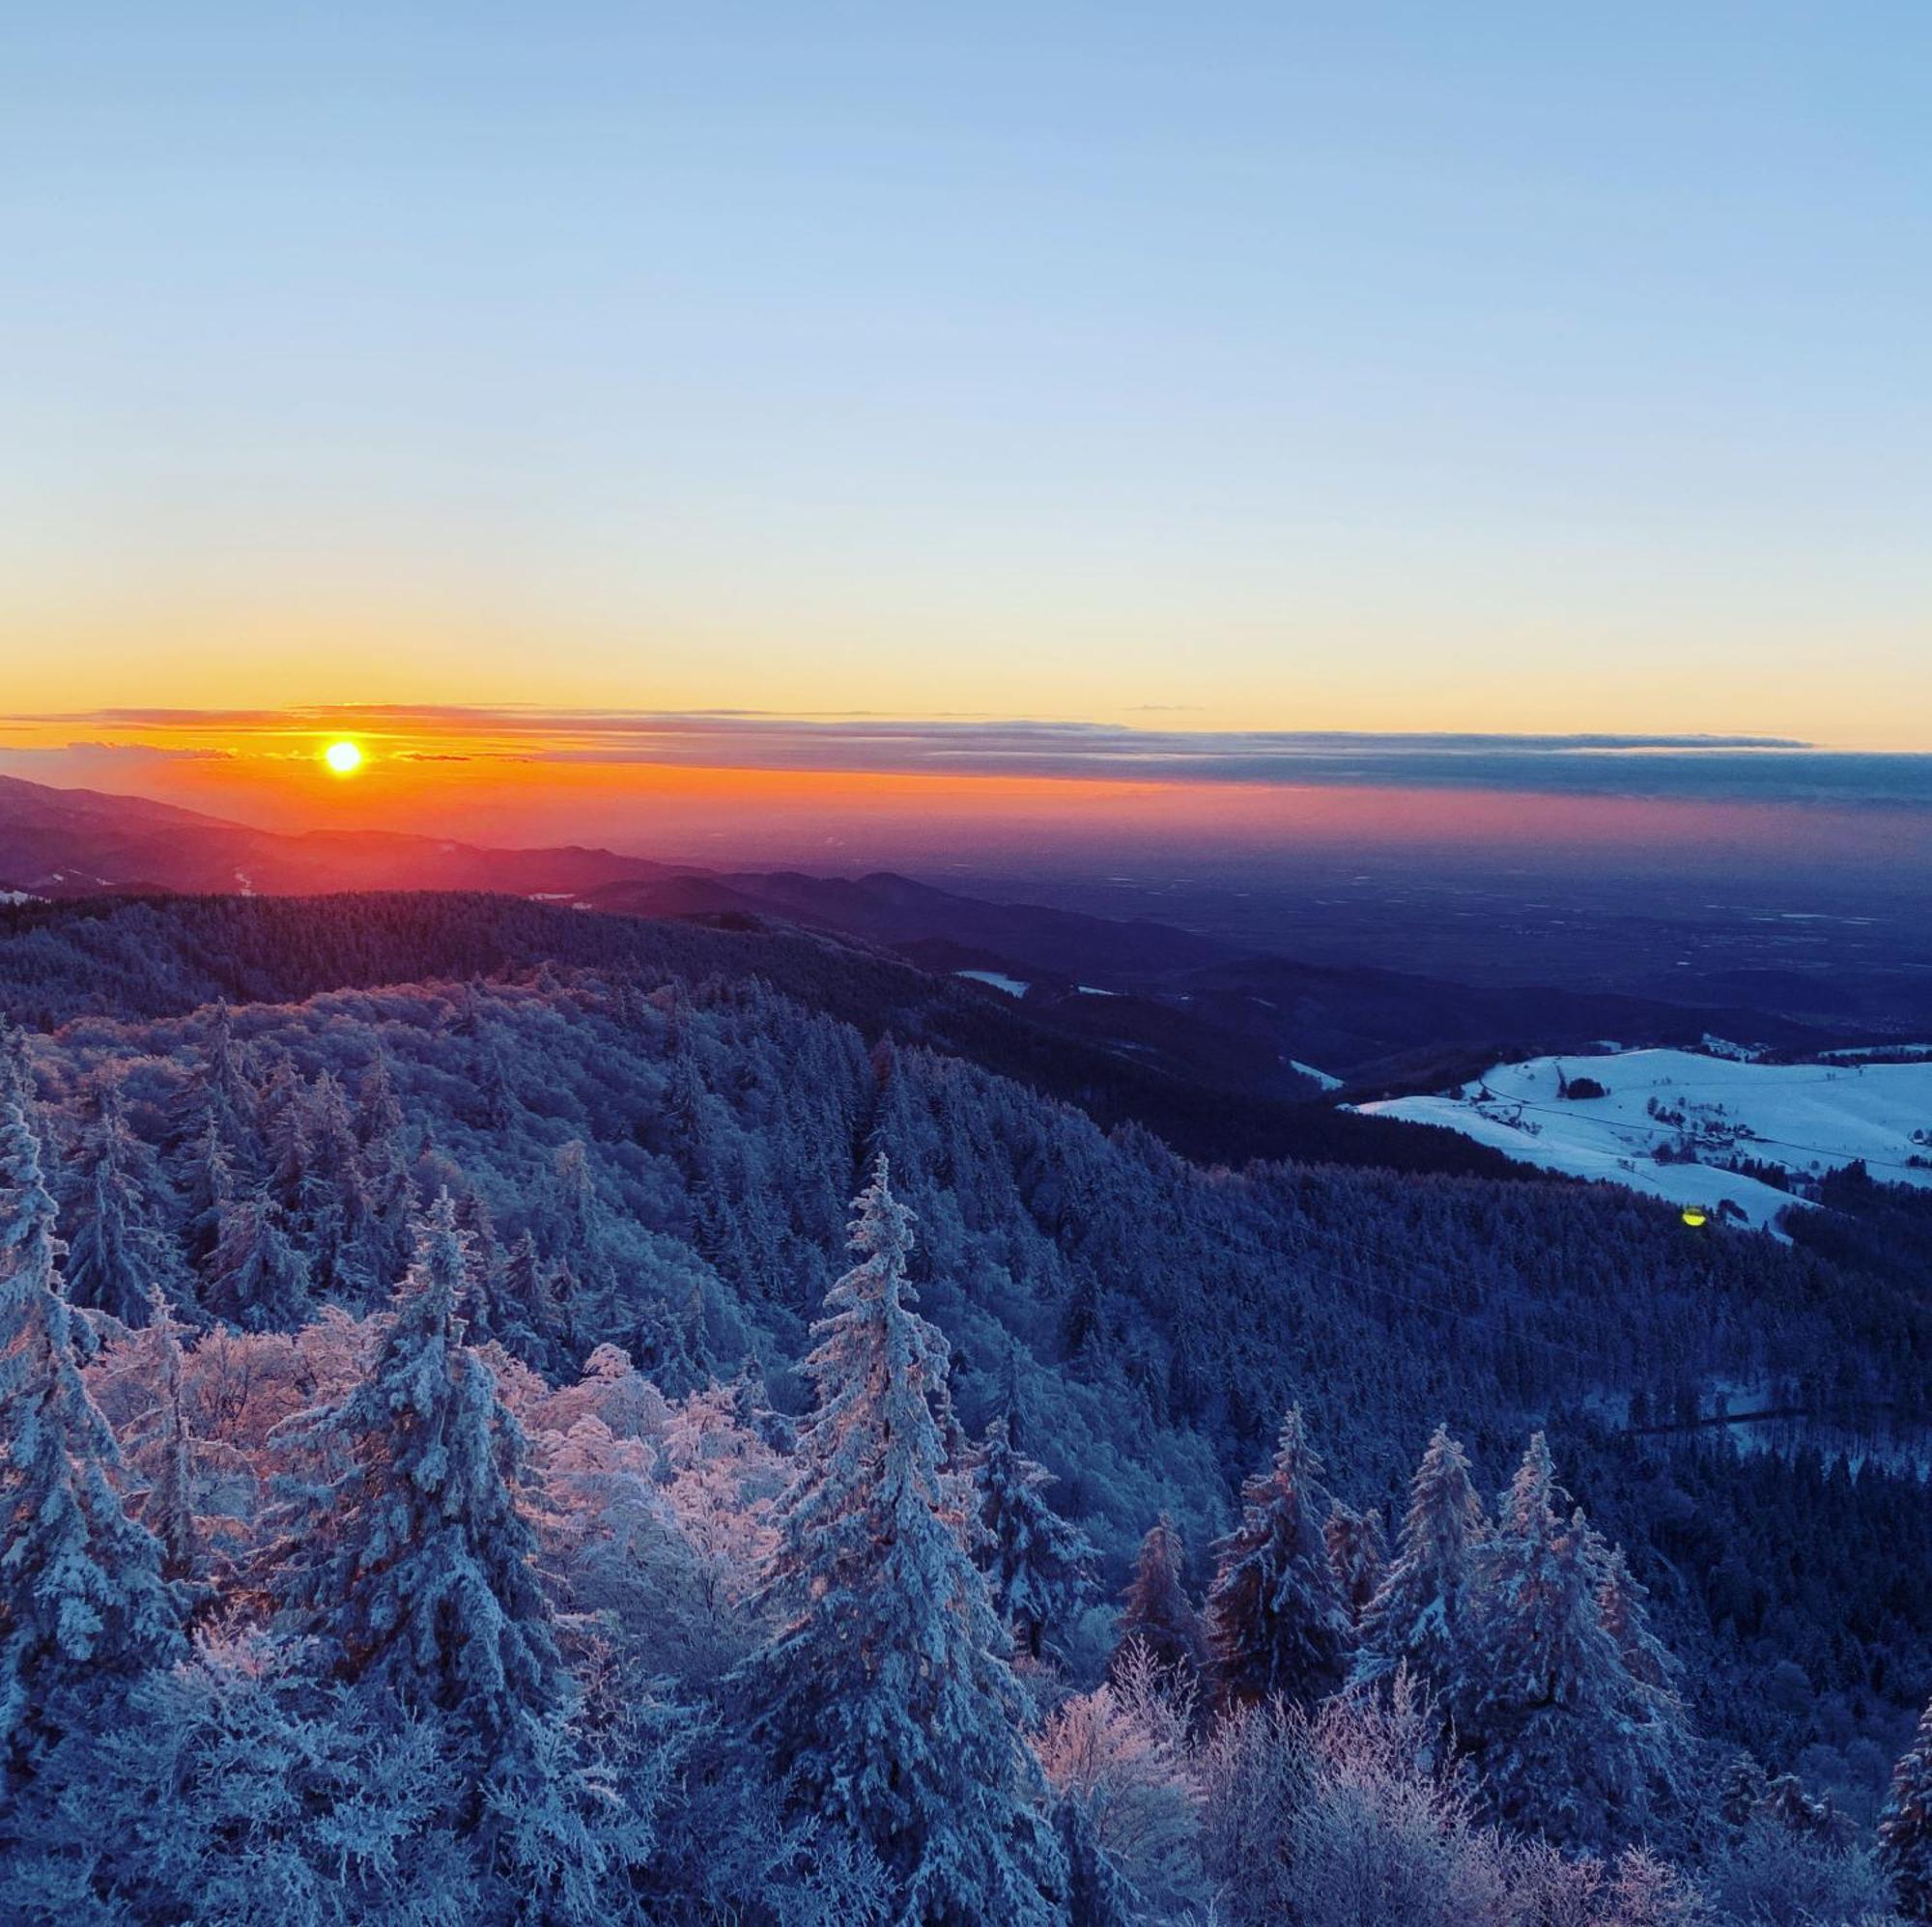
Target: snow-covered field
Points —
{"points": [[1807, 1117]]}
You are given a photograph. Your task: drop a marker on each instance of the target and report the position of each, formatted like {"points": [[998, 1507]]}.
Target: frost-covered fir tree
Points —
{"points": [[1905, 1827], [1155, 1611], [205, 1174], [379, 1114], [1037, 1564], [413, 1562], [167, 1509], [1623, 1604], [255, 1277], [233, 1097], [1568, 1740], [1415, 1616], [116, 1248], [884, 1698], [83, 1605], [17, 1072], [1356, 1555], [531, 1312], [1276, 1620]]}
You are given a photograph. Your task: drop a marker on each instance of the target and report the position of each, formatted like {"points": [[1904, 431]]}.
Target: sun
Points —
{"points": [[343, 758]]}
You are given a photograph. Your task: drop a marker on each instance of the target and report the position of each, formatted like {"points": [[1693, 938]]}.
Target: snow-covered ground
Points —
{"points": [[1807, 1117], [1321, 1077]]}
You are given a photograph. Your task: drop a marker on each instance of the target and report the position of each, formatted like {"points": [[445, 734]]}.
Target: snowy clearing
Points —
{"points": [[1806, 1119]]}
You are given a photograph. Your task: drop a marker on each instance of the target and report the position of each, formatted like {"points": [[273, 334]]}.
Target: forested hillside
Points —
{"points": [[432, 1353]]}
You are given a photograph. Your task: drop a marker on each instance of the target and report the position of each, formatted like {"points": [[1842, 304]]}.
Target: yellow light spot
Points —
{"points": [[344, 758], [1692, 1216]]}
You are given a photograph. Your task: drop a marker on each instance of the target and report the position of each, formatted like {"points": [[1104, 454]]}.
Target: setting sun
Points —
{"points": [[344, 758]]}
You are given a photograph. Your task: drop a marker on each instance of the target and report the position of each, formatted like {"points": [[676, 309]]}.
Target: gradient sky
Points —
{"points": [[1503, 367]]}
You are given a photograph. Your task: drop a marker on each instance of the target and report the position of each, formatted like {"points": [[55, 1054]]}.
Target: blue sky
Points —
{"points": [[1294, 367]]}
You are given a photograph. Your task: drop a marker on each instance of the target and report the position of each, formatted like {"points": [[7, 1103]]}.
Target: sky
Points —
{"points": [[1129, 398], [1290, 368]]}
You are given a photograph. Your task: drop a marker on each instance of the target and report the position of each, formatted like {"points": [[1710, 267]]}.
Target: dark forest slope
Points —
{"points": [[163, 956]]}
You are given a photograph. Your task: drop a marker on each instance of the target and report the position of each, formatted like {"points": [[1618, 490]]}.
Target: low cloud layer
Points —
{"points": [[1689, 767]]}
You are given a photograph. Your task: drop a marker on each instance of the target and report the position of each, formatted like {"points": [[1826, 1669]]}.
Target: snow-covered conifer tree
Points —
{"points": [[1357, 1555], [1276, 1621], [1568, 1740], [206, 1175], [1155, 1611], [255, 1277], [1415, 1618], [116, 1249], [415, 1566], [167, 1509], [1037, 1564], [884, 1697], [1622, 1603], [1905, 1827], [82, 1600], [17, 1073], [378, 1113]]}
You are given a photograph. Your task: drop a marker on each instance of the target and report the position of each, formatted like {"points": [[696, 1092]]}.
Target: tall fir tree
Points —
{"points": [[1568, 1740], [255, 1277], [205, 1174], [1155, 1610], [1276, 1621], [1415, 1618], [1357, 1555], [117, 1246], [1905, 1827], [884, 1698], [414, 1565], [379, 1115], [1039, 1565], [165, 1448], [83, 1604]]}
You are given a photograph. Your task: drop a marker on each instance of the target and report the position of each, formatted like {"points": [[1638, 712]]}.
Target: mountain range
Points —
{"points": [[1263, 1026]]}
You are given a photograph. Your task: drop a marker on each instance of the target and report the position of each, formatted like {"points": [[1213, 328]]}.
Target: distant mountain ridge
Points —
{"points": [[75, 842], [1199, 1007]]}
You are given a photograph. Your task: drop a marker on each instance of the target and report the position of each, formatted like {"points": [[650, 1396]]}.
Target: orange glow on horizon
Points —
{"points": [[492, 779]]}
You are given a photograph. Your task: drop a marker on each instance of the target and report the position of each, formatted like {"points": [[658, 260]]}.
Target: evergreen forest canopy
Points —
{"points": [[468, 1457]]}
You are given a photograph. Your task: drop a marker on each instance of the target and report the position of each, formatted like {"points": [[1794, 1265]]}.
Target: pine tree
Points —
{"points": [[117, 1249], [1570, 1742], [1623, 1605], [884, 1698], [207, 1178], [295, 1181], [377, 1114], [416, 1567], [104, 1272], [1905, 1827], [1414, 1619], [167, 1509], [17, 1071], [531, 1314], [82, 1600], [1037, 1564], [1742, 1790], [1155, 1610], [233, 1093], [1357, 1555], [1276, 1622], [255, 1277]]}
